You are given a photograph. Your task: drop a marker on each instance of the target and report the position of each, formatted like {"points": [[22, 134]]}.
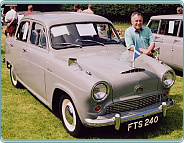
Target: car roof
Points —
{"points": [[172, 16], [23, 12], [55, 18]]}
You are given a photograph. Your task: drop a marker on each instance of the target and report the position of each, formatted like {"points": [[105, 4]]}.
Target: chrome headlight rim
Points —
{"points": [[173, 80], [107, 91]]}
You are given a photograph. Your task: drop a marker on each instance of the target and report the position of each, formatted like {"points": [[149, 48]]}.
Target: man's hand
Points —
{"points": [[11, 22], [145, 51], [8, 24]]}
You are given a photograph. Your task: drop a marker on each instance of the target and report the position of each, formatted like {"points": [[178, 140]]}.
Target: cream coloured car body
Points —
{"points": [[44, 70]]}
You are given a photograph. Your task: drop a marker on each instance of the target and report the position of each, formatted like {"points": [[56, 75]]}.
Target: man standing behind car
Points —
{"points": [[29, 10], [11, 20], [141, 34], [89, 10]]}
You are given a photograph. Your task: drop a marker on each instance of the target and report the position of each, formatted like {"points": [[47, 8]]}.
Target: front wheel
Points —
{"points": [[13, 76], [70, 118]]}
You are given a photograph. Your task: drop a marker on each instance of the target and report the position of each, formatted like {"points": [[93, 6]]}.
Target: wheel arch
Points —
{"points": [[58, 93], [8, 64]]}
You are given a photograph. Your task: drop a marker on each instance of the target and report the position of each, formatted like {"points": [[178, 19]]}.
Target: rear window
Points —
{"points": [[169, 27]]}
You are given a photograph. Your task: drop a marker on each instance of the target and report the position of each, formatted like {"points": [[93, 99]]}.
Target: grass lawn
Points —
{"points": [[121, 26], [24, 117]]}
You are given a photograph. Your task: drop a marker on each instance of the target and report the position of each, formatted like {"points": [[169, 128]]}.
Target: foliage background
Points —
{"points": [[114, 12], [122, 12]]}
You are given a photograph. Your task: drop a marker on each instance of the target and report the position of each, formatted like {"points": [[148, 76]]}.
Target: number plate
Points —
{"points": [[142, 123]]}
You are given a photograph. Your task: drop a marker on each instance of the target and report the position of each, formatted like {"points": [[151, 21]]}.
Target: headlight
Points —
{"points": [[168, 79], [100, 91]]}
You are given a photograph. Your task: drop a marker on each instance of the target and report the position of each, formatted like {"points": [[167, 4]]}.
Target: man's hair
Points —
{"points": [[103, 25], [179, 10], [30, 7], [76, 6], [136, 13], [90, 5], [12, 7]]}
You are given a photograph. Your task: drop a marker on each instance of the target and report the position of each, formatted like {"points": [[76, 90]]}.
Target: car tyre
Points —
{"points": [[14, 79], [70, 117]]}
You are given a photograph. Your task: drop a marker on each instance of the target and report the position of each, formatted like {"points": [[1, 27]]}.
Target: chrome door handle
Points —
{"points": [[176, 40], [25, 50], [156, 37]]}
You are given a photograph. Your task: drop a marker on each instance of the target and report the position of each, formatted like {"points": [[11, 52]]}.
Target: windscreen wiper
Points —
{"points": [[66, 45], [91, 41]]}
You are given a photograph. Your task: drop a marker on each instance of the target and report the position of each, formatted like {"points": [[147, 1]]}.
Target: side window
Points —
{"points": [[153, 25], [105, 31], [181, 30], [23, 30], [169, 27], [38, 35]]}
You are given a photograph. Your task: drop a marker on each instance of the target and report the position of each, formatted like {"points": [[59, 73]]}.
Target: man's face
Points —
{"points": [[137, 22], [102, 27]]}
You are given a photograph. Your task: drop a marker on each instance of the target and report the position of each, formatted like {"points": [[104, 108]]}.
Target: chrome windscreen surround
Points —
{"points": [[133, 104]]}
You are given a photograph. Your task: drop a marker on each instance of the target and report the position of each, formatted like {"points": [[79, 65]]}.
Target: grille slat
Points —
{"points": [[133, 104]]}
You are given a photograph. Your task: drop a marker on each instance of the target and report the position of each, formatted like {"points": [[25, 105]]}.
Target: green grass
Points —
{"points": [[24, 117], [122, 26]]}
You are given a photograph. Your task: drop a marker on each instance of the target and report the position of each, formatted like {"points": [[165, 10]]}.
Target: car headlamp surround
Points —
{"points": [[100, 91], [168, 79]]}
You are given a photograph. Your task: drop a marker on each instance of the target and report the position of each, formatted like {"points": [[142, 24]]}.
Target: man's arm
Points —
{"points": [[145, 51], [150, 48], [11, 22], [100, 35], [151, 43], [128, 40]]}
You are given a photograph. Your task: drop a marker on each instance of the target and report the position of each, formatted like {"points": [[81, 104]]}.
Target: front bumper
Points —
{"points": [[117, 119]]}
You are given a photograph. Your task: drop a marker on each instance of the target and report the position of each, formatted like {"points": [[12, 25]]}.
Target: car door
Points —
{"points": [[157, 28], [178, 48], [18, 49], [35, 60], [154, 25], [167, 32]]}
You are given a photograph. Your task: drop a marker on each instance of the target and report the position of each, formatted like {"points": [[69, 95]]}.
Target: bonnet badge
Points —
{"points": [[138, 89]]}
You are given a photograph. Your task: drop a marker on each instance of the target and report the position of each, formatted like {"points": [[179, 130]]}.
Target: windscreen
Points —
{"points": [[83, 34]]}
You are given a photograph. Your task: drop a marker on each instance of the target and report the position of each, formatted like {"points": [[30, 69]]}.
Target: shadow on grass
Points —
{"points": [[179, 73], [164, 127], [173, 121]]}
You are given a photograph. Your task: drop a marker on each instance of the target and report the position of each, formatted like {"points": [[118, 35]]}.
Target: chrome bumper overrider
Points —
{"points": [[117, 119]]}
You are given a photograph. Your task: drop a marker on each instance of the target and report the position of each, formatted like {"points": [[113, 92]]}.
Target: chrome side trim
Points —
{"points": [[117, 119]]}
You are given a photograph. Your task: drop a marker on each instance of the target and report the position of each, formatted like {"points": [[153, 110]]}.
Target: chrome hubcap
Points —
{"points": [[69, 116], [13, 76]]}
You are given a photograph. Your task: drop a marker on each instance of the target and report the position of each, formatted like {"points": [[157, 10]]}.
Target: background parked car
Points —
{"points": [[168, 33]]}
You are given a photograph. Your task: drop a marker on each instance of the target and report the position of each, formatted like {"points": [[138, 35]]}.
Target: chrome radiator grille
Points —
{"points": [[133, 104]]}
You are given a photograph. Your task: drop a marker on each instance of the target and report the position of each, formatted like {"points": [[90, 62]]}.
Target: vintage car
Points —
{"points": [[87, 79], [168, 33]]}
